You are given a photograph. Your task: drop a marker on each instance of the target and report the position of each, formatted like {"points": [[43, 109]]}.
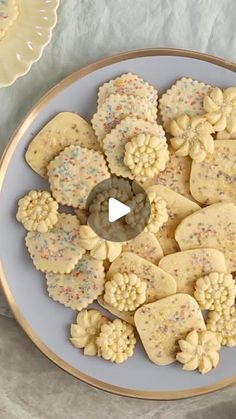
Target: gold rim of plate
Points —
{"points": [[25, 39], [4, 163]]}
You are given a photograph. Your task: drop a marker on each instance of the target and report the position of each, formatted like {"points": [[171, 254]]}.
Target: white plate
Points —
{"points": [[27, 30], [47, 322]]}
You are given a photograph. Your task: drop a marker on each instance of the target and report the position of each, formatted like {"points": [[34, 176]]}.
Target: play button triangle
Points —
{"points": [[116, 210]]}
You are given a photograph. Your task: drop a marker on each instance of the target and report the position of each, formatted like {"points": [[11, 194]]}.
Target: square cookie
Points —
{"points": [[214, 179], [187, 266], [161, 324]]}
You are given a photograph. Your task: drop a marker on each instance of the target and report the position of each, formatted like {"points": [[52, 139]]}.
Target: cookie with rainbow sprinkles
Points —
{"points": [[80, 287]]}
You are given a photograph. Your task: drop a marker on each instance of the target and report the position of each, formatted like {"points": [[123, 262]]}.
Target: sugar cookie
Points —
{"points": [[175, 176], [163, 323], [187, 266], [115, 142], [37, 211], [223, 323], [215, 291], [178, 207], [213, 226], [64, 129], [74, 172], [159, 283], [191, 136], [145, 245], [125, 292], [110, 338], [86, 329], [80, 287], [213, 179], [57, 250], [199, 350], [128, 84], [127, 316], [185, 96], [117, 107], [220, 108], [99, 248]]}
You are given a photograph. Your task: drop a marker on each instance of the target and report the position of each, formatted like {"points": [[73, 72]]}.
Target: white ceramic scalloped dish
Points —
{"points": [[27, 35]]}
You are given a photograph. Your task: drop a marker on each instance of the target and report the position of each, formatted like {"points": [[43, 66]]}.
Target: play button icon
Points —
{"points": [[116, 210]]}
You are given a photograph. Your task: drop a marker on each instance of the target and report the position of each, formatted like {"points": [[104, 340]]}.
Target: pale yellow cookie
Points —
{"points": [[116, 341], [213, 226], [145, 245], [191, 136], [99, 248], [163, 323], [185, 96], [57, 250], [186, 267], [144, 156], [86, 329], [64, 129], [125, 292], [117, 107], [220, 108], [82, 215], [199, 350], [178, 207], [215, 291], [9, 12], [80, 287], [74, 172], [223, 323], [213, 180], [128, 84], [115, 142], [37, 211], [175, 176], [127, 316], [159, 214], [159, 283]]}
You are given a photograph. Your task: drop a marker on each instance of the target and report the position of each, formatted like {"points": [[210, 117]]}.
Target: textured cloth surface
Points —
{"points": [[88, 30]]}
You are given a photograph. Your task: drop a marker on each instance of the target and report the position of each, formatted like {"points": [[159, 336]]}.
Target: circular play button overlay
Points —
{"points": [[118, 209]]}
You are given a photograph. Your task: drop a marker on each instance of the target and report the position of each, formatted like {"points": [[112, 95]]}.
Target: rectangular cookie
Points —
{"points": [[163, 323], [187, 266], [213, 226], [159, 283], [214, 179]]}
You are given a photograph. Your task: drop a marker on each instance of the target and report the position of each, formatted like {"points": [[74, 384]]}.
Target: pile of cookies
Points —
{"points": [[181, 266]]}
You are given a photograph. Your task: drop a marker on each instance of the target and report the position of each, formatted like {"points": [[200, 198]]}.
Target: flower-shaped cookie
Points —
{"points": [[220, 106], [199, 350], [100, 249], [124, 291], [116, 188], [139, 212], [224, 324], [192, 137], [146, 155], [159, 214], [37, 211], [116, 341], [215, 291], [85, 331]]}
